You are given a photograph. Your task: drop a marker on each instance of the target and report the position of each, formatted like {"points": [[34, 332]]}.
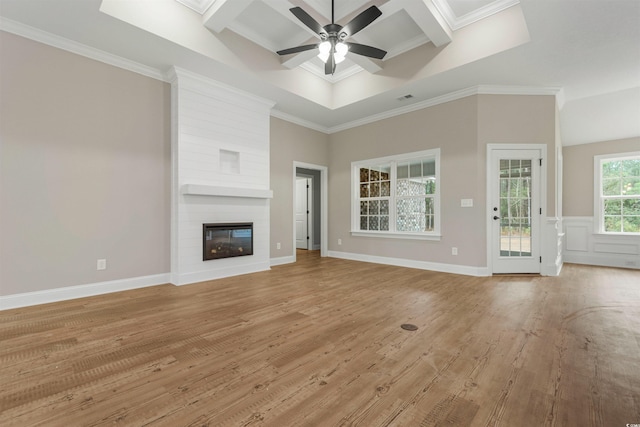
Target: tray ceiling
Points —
{"points": [[585, 52], [404, 25]]}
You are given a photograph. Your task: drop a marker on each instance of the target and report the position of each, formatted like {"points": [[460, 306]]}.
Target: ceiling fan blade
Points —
{"points": [[361, 21], [364, 50], [297, 49], [330, 65], [307, 20]]}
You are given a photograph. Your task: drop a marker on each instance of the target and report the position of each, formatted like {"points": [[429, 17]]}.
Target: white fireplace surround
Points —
{"points": [[220, 173]]}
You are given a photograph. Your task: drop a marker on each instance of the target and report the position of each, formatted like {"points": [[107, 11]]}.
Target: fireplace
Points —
{"points": [[226, 240]]}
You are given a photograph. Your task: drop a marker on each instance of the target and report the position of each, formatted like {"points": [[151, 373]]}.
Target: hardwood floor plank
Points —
{"points": [[319, 343]]}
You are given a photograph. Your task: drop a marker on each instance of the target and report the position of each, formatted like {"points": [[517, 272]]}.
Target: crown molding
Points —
{"points": [[60, 42], [452, 96], [331, 78], [556, 91], [200, 6], [233, 95], [406, 109], [457, 22], [298, 121], [517, 90]]}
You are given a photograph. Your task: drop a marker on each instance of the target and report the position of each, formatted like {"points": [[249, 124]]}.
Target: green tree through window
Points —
{"points": [[620, 194]]}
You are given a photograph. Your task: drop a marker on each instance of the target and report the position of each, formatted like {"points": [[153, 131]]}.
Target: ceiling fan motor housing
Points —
{"points": [[334, 31]]}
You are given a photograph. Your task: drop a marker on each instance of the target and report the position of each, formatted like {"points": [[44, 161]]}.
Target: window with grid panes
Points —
{"points": [[397, 196], [617, 188]]}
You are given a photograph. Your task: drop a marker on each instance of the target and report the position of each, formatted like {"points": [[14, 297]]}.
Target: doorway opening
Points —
{"points": [[310, 208]]}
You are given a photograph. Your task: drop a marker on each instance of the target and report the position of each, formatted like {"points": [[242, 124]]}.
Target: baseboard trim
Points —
{"points": [[601, 261], [221, 273], [283, 260], [27, 299], [422, 265]]}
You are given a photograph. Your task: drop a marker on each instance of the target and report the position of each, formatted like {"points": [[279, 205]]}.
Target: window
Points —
{"points": [[397, 196], [617, 193]]}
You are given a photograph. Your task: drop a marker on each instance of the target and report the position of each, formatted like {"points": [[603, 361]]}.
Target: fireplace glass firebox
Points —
{"points": [[226, 240]]}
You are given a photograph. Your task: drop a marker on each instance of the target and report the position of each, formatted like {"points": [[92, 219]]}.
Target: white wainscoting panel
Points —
{"points": [[577, 237], [584, 246]]}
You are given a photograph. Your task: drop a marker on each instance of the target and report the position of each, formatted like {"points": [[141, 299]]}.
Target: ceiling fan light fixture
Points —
{"points": [[325, 51]]}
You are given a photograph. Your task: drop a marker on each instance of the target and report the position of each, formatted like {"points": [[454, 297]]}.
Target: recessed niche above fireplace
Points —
{"points": [[225, 240]]}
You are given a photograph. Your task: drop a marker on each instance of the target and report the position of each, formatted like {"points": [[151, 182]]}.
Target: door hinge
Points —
{"points": [[540, 162], [308, 239], [540, 260], [308, 212], [540, 211], [307, 185]]}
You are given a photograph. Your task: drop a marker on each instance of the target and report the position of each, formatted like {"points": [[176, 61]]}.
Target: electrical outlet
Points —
{"points": [[454, 251], [102, 264], [278, 245], [339, 242]]}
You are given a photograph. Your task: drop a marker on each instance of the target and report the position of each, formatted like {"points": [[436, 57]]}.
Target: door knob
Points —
{"points": [[496, 217]]}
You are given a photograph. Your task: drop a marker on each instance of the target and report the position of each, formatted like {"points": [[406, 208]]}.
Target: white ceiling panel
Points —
{"points": [[391, 31], [267, 27]]}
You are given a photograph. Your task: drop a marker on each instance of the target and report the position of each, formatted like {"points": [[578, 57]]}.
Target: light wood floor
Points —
{"points": [[319, 343]]}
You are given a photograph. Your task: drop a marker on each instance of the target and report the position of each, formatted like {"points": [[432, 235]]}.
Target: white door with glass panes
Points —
{"points": [[515, 210]]}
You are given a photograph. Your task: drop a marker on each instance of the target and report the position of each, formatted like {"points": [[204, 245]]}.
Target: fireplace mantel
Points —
{"points": [[212, 190]]}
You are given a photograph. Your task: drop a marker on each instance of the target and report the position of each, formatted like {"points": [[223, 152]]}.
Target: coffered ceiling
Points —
{"points": [[404, 25], [587, 52]]}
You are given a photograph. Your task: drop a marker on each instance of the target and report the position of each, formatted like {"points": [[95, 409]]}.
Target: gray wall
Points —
{"points": [[85, 169], [462, 129], [289, 143], [578, 180], [509, 119]]}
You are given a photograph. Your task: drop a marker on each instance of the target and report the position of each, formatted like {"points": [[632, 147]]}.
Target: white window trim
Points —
{"points": [[355, 196], [597, 196]]}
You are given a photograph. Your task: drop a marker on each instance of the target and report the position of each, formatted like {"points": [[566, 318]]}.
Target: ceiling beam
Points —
{"points": [[222, 13], [430, 21], [371, 65], [293, 61]]}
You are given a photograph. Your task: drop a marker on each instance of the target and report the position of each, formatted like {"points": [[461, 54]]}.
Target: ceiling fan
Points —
{"points": [[333, 46]]}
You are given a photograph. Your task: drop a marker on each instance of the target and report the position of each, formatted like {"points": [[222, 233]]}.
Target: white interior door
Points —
{"points": [[515, 210], [302, 213]]}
